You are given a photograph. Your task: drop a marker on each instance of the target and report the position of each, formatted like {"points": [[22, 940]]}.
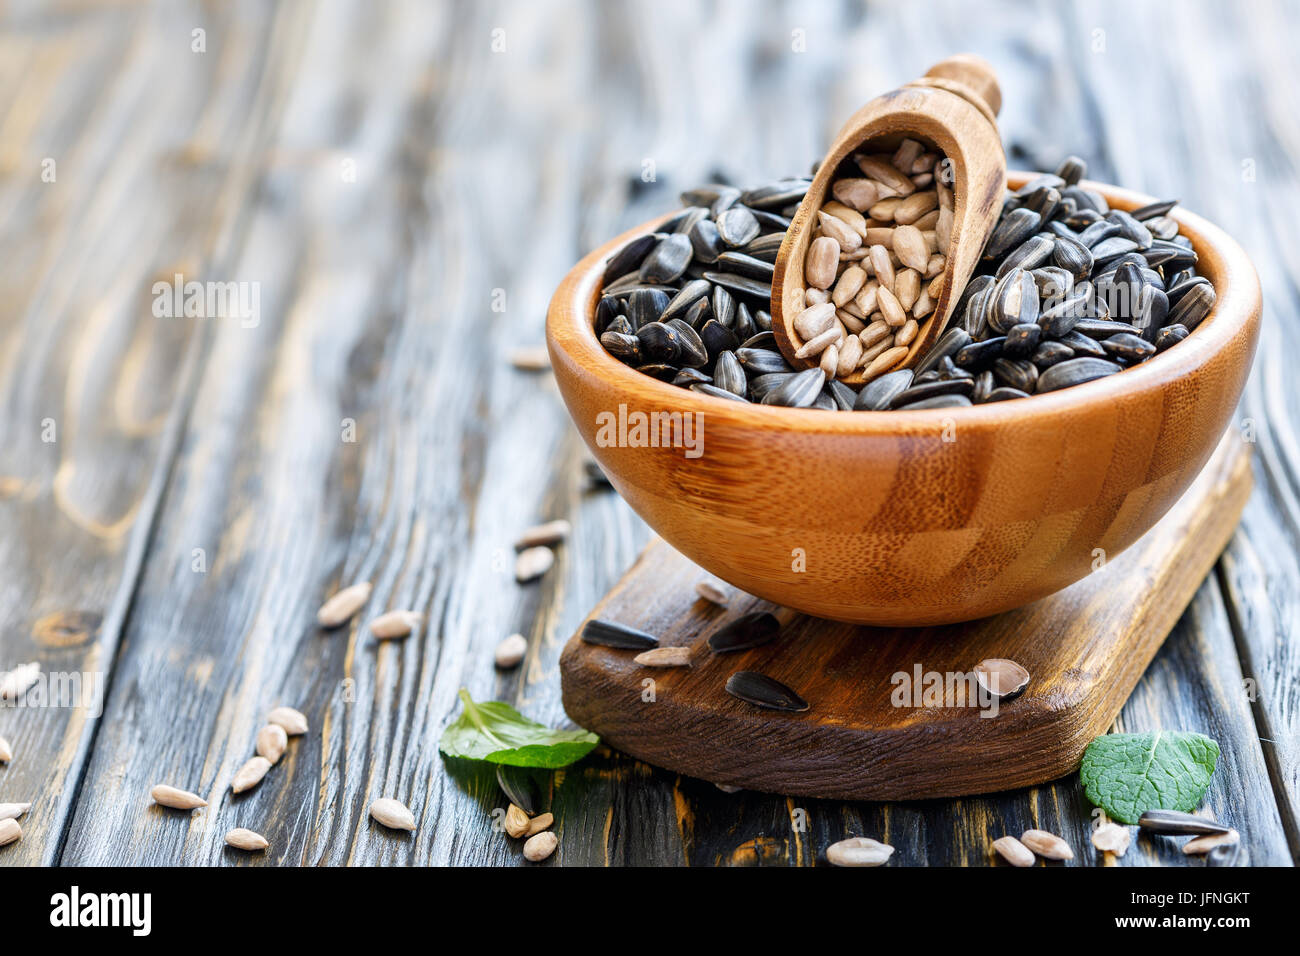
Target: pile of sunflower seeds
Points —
{"points": [[1068, 290], [875, 265]]}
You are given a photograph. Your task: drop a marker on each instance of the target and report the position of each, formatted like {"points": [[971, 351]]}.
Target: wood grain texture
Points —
{"points": [[479, 171]]}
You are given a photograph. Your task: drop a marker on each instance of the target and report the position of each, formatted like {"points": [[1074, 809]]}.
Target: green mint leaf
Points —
{"points": [[1128, 774], [496, 732]]}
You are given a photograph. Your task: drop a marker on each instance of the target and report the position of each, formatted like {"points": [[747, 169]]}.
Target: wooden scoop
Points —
{"points": [[952, 110]]}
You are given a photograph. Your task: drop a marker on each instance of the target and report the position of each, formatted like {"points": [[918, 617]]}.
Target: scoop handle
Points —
{"points": [[970, 77]]}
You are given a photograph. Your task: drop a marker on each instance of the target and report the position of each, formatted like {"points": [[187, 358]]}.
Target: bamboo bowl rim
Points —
{"points": [[571, 334]]}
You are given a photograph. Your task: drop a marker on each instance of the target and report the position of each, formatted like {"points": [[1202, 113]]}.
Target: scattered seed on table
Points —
{"points": [[6, 751], [552, 532], [242, 839], [1111, 838], [19, 680], [176, 799], [532, 563], [394, 624], [1047, 845], [1225, 855], [12, 811], [250, 774], [539, 823], [712, 591], [665, 657], [10, 832], [540, 846], [1176, 823], [1013, 851], [518, 787], [272, 740], [340, 608], [392, 814], [516, 822], [293, 721], [511, 651], [858, 851], [1207, 842], [531, 358]]}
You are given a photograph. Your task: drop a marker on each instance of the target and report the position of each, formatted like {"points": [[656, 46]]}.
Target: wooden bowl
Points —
{"points": [[916, 517]]}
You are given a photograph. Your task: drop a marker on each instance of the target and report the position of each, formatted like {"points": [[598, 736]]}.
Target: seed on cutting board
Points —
{"points": [[1111, 838], [516, 822], [10, 832], [540, 846], [749, 630], [6, 751], [517, 785], [250, 774], [271, 742], [168, 796], [532, 358], [12, 811], [1207, 842], [393, 624], [242, 839], [609, 634], [1047, 845], [1175, 823], [1000, 677], [293, 721], [19, 680], [1013, 851], [858, 851], [551, 532], [339, 609], [665, 657], [539, 823], [712, 591], [762, 691], [510, 651], [392, 814], [532, 563]]}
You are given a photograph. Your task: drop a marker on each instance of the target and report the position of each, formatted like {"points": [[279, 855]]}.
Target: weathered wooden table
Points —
{"points": [[401, 187]]}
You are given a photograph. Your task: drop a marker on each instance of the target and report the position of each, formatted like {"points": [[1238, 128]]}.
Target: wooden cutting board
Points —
{"points": [[863, 738]]}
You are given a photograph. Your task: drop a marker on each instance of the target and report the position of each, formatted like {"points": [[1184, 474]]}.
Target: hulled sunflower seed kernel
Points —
{"points": [[293, 721], [272, 740], [1111, 838], [242, 839], [394, 624], [549, 533], [858, 851], [516, 822], [532, 563], [6, 751], [176, 799], [10, 832], [712, 591], [340, 608], [1047, 845], [12, 811], [510, 651], [392, 814], [1013, 851], [665, 657], [250, 774]]}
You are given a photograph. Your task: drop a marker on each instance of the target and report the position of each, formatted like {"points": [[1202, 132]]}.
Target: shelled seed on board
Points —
{"points": [[712, 591], [10, 832], [1013, 851], [540, 846], [510, 651], [392, 814], [516, 821], [532, 563], [1047, 845], [12, 811], [394, 624], [609, 634], [242, 839], [293, 721], [551, 532], [858, 851], [1208, 841], [176, 799], [250, 774], [272, 741], [1111, 838], [340, 608], [665, 657], [6, 751]]}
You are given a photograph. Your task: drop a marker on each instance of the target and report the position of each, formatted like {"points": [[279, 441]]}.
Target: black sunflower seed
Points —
{"points": [[1071, 170], [1013, 229], [737, 226], [799, 391], [1127, 347], [924, 390], [760, 385], [1154, 209], [706, 389], [1072, 255], [745, 327], [762, 691], [728, 374], [777, 194], [1021, 340], [979, 354], [1098, 232], [628, 259], [609, 634], [745, 632], [984, 387], [645, 306], [1049, 353], [717, 338], [949, 344], [1075, 372], [659, 370], [705, 241], [1101, 328], [724, 305], [659, 343], [1174, 823], [1015, 301], [1016, 373], [879, 393], [625, 348], [1030, 254], [698, 313], [691, 376], [1005, 393], [938, 401], [518, 786], [1193, 307], [1082, 345], [1170, 335], [841, 395], [691, 350], [668, 260]]}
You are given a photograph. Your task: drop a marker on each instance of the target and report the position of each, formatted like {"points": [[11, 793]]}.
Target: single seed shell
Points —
{"points": [[552, 532], [1176, 823], [1000, 677], [609, 634], [510, 651], [1208, 841], [10, 832], [339, 609], [250, 774], [858, 851], [6, 751], [712, 591], [12, 811], [540, 846], [1047, 845], [271, 742], [516, 822], [762, 691], [242, 839], [532, 563], [176, 799], [1111, 838], [539, 823], [293, 721], [750, 630], [517, 784], [393, 624], [665, 657], [392, 814], [1013, 851]]}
